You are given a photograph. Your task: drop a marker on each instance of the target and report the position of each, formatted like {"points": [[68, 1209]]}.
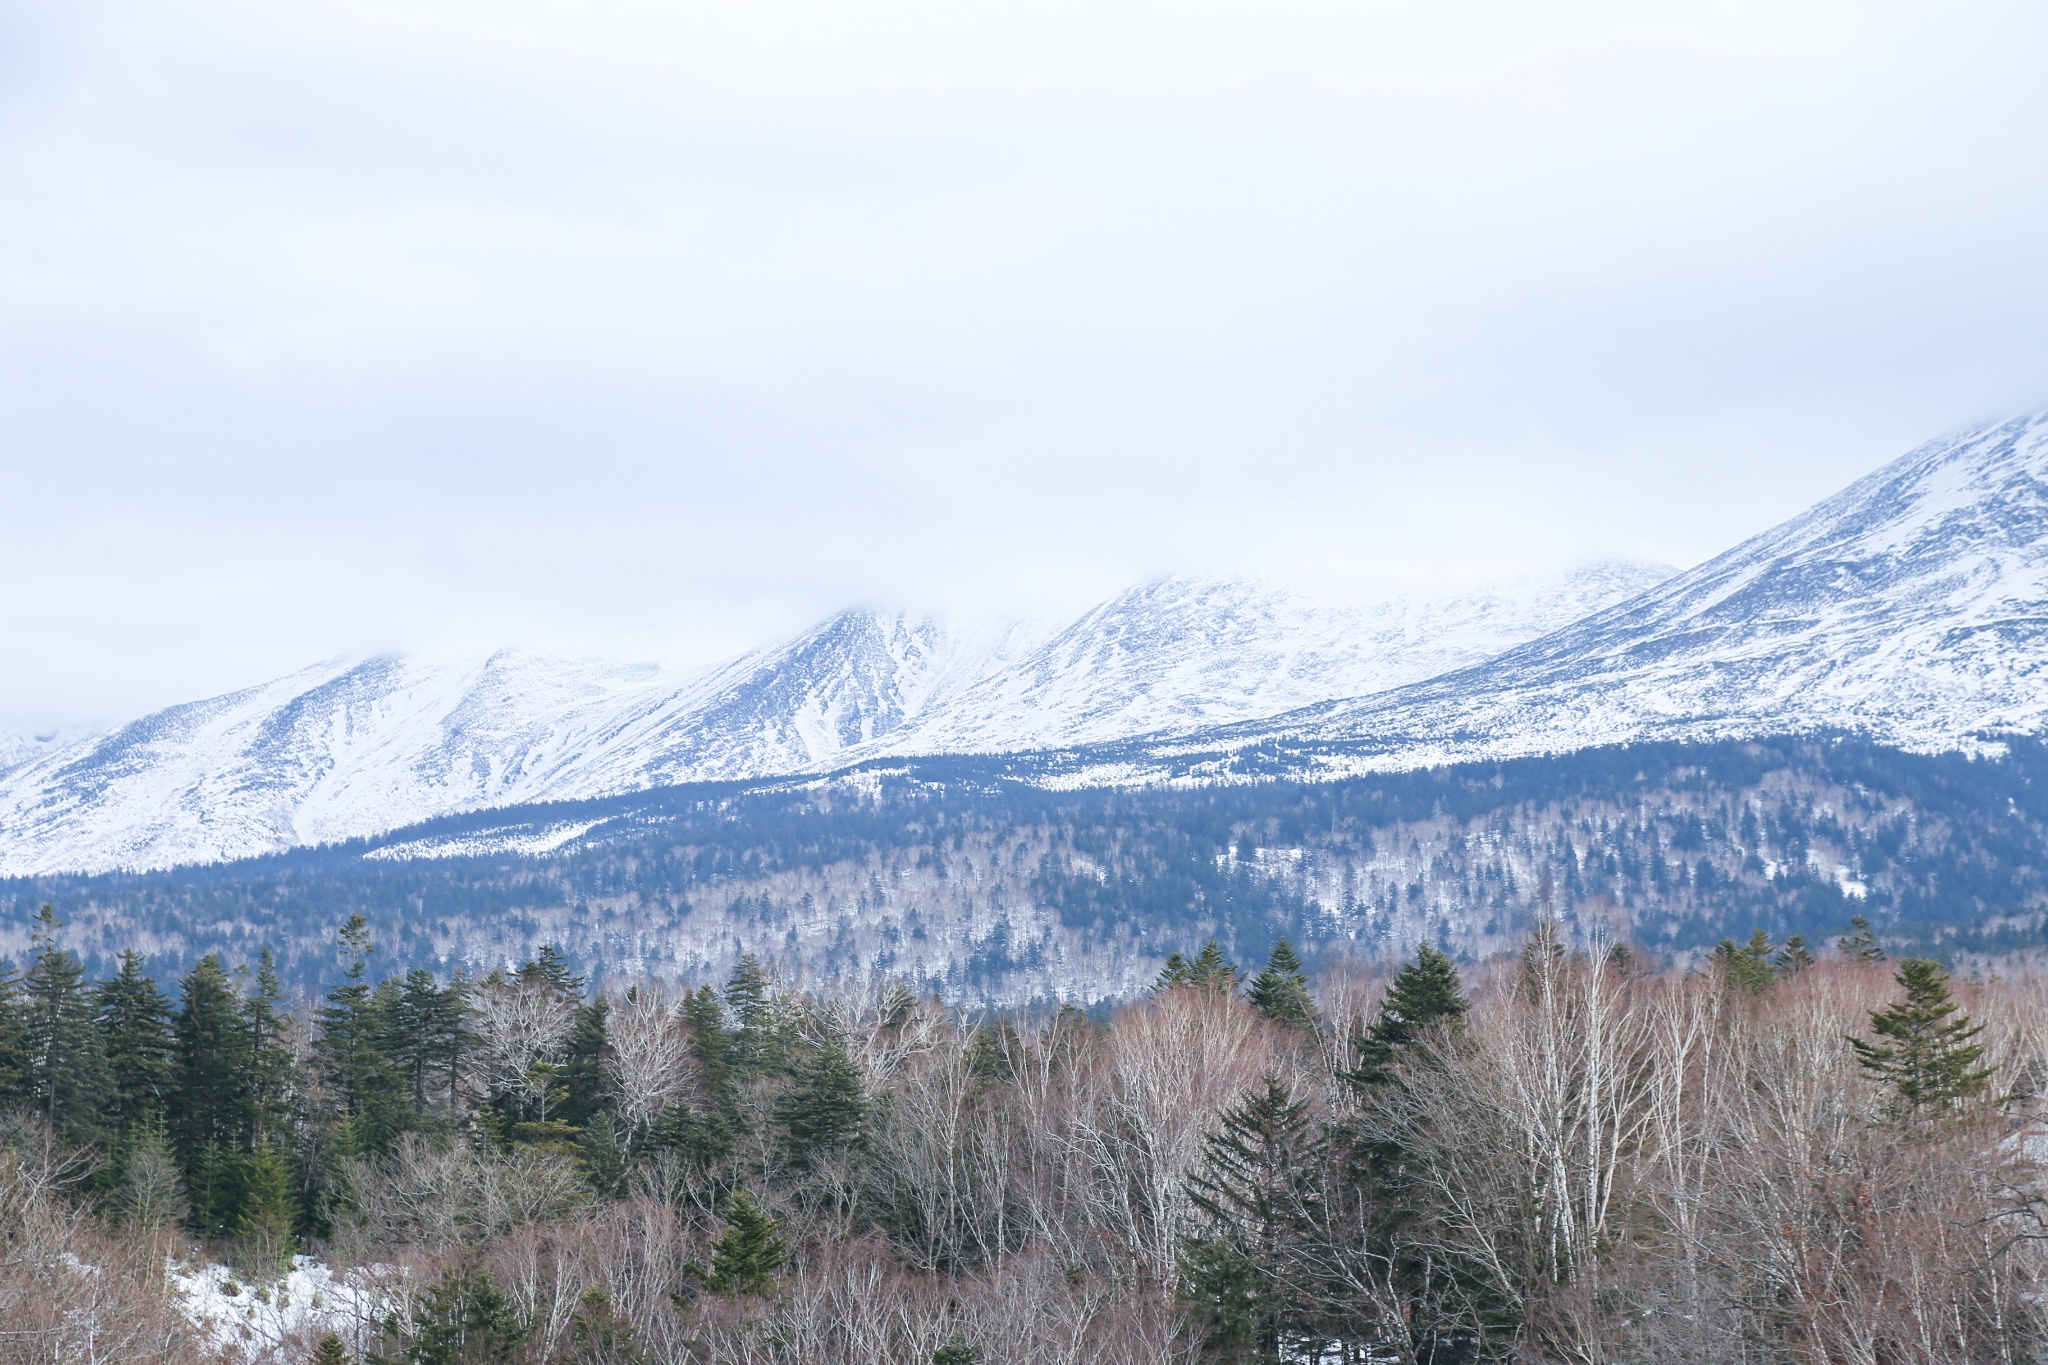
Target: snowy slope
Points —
{"points": [[1181, 654], [361, 746], [1911, 607]]}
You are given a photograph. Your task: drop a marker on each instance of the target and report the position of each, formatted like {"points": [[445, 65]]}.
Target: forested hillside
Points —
{"points": [[966, 877], [1789, 1156]]}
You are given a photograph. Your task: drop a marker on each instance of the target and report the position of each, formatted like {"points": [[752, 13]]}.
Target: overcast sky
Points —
{"points": [[658, 330]]}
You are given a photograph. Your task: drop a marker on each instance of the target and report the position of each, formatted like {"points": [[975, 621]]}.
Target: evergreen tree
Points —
{"points": [[750, 1253], [268, 1059], [1178, 971], [1746, 967], [421, 1034], [1280, 991], [1860, 944], [465, 1319], [1257, 1192], [583, 1076], [64, 1073], [598, 1335], [1424, 993], [755, 1047], [1212, 970], [362, 1078], [826, 1106], [13, 1058], [1794, 958], [1930, 1060], [550, 966], [212, 1116], [331, 1350], [264, 1225], [135, 1037]]}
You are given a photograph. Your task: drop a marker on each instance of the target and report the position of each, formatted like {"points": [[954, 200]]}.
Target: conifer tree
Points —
{"points": [[135, 1036], [750, 1253], [583, 1061], [1211, 970], [267, 1058], [1425, 992], [598, 1335], [755, 1048], [1256, 1190], [1280, 991], [465, 1319], [331, 1350], [1178, 971], [64, 1071], [12, 1058], [264, 1224], [1930, 1060], [212, 1119], [352, 1062], [1746, 967], [421, 1033], [1794, 958], [1860, 944], [825, 1107], [550, 966]]}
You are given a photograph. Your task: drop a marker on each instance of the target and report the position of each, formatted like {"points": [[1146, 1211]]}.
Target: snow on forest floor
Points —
{"points": [[249, 1320]]}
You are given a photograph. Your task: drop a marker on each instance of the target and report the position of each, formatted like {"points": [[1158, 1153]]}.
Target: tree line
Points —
{"points": [[1793, 1153]]}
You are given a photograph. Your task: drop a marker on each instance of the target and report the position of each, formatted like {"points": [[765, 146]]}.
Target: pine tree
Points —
{"points": [[13, 1058], [1794, 958], [1213, 970], [1178, 971], [749, 1254], [64, 1074], [1424, 993], [212, 1115], [463, 1320], [332, 1350], [421, 1033], [1256, 1190], [755, 1047], [363, 1079], [825, 1107], [1860, 944], [268, 1059], [583, 1059], [598, 1335], [264, 1225], [1280, 991], [1746, 967], [135, 1037], [1930, 1061], [550, 966]]}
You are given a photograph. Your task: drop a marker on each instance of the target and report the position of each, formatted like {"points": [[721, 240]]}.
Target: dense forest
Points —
{"points": [[1795, 1153], [972, 878]]}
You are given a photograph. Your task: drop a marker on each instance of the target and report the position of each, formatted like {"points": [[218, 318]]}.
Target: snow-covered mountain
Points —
{"points": [[1911, 607], [356, 747], [1183, 654]]}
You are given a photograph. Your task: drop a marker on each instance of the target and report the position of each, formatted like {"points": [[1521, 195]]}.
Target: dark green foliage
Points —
{"points": [[550, 966], [1208, 970], [583, 1066], [135, 1037], [747, 1257], [63, 1071], [331, 1351], [263, 1228], [12, 1058], [465, 1319], [214, 1120], [1794, 958], [1280, 991], [825, 1105], [1928, 1058], [1424, 993], [352, 1029], [756, 1044], [421, 1033], [1256, 1190], [598, 1335], [1860, 944], [1746, 967], [956, 1353]]}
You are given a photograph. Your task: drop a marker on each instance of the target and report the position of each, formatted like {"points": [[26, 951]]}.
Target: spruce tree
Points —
{"points": [[465, 1319], [135, 1036], [1424, 993], [1178, 971], [826, 1106], [1256, 1191], [750, 1253], [352, 1062], [755, 1047], [598, 1335], [212, 1117], [583, 1067], [1794, 958], [1211, 970], [331, 1350], [13, 1060], [421, 1033], [1280, 991], [1746, 967], [263, 1227], [64, 1073], [1860, 944], [550, 966], [1929, 1060]]}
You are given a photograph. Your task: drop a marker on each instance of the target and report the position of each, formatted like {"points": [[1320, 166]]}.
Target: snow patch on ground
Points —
{"points": [[259, 1322], [529, 843]]}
